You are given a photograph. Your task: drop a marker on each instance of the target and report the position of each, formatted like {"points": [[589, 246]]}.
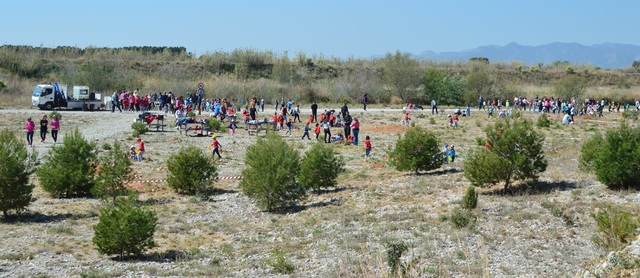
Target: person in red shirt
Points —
{"points": [[216, 146], [316, 130], [406, 119], [332, 119], [280, 121], [367, 147], [275, 120], [140, 149]]}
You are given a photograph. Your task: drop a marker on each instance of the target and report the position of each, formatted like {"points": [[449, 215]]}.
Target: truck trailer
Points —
{"points": [[49, 97]]}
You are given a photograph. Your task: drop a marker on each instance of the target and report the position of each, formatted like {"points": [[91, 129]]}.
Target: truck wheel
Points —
{"points": [[91, 107], [48, 106]]}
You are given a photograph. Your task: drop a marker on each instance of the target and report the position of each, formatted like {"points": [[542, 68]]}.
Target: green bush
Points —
{"points": [[395, 250], [139, 128], [417, 151], [543, 121], [280, 264], [320, 168], [271, 182], [124, 229], [191, 114], [16, 165], [516, 154], [69, 169], [113, 174], [613, 157], [616, 227], [630, 114], [191, 171], [216, 125], [460, 218], [55, 113], [470, 198]]}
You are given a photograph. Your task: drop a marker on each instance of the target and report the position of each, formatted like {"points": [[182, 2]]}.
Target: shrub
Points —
{"points": [[280, 264], [432, 121], [543, 121], [616, 227], [55, 113], [460, 218], [395, 250], [124, 229], [320, 168], [216, 125], [69, 169], [470, 198], [139, 128], [269, 177], [191, 171], [630, 114], [614, 157], [191, 114], [113, 174], [417, 150], [15, 168], [516, 154]]}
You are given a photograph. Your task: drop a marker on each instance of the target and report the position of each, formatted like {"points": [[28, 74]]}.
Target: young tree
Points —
{"points": [[614, 157], [16, 166], [124, 229], [69, 169], [571, 86], [191, 171], [113, 174], [269, 177], [515, 154], [320, 168], [417, 151]]}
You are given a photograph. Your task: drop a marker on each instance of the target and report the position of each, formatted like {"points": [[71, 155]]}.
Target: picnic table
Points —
{"points": [[254, 127], [191, 124], [154, 122]]}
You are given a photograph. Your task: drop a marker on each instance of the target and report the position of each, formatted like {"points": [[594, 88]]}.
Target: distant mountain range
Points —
{"points": [[607, 55]]}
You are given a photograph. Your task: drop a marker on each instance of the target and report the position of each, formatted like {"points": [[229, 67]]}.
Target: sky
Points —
{"points": [[329, 28]]}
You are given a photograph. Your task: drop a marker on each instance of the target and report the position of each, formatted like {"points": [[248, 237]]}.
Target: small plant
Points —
{"points": [[113, 174], [616, 227], [470, 198], [191, 114], [421, 116], [432, 121], [320, 168], [417, 151], [139, 128], [191, 171], [280, 264], [630, 114], [55, 113], [16, 165], [543, 121], [460, 218], [216, 125], [124, 229], [106, 146], [395, 250]]}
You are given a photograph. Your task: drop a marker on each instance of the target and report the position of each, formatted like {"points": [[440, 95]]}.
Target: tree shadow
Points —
{"points": [[333, 190], [437, 172], [296, 209], [533, 188], [153, 201], [36, 217], [169, 256]]}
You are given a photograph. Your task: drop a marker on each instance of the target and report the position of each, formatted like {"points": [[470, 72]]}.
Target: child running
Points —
{"points": [[216, 146], [367, 147]]}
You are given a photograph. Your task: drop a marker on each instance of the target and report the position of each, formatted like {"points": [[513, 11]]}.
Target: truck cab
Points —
{"points": [[47, 96]]}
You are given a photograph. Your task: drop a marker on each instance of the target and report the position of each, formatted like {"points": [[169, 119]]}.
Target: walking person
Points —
{"points": [[347, 125], [55, 126], [434, 107], [316, 131], [114, 103], [306, 131], [44, 125], [365, 100], [216, 146], [29, 127], [355, 129]]}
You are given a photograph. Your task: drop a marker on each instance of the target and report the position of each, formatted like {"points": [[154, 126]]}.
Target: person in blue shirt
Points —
{"points": [[452, 153]]}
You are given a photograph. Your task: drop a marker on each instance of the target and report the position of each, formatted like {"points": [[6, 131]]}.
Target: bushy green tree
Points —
{"points": [[113, 174], [614, 157], [124, 229], [470, 198], [516, 154], [16, 166], [69, 169], [269, 176], [191, 171], [401, 75], [571, 86], [320, 168], [139, 128], [445, 89], [417, 151]]}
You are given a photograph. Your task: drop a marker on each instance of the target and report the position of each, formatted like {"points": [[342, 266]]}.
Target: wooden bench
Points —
{"points": [[199, 128]]}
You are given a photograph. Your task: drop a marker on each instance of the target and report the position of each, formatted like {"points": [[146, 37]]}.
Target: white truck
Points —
{"points": [[49, 97]]}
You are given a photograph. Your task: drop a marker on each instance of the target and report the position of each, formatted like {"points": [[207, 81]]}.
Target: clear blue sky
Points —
{"points": [[329, 27]]}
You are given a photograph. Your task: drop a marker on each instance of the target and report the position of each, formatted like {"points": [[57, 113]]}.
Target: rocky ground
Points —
{"points": [[542, 230]]}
